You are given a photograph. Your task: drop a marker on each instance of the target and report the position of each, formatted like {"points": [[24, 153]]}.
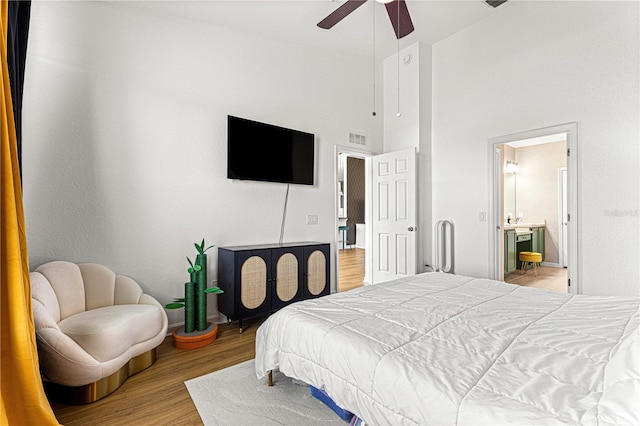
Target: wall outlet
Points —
{"points": [[312, 219], [483, 216]]}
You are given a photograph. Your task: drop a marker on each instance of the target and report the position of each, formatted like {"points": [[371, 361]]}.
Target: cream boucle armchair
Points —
{"points": [[93, 328]]}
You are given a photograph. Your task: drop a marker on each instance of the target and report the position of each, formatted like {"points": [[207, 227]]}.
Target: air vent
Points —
{"points": [[357, 139]]}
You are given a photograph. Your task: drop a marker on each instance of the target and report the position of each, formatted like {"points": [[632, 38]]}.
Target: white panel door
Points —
{"points": [[394, 215]]}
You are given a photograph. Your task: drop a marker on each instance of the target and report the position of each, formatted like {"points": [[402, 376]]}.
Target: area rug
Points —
{"points": [[234, 396]]}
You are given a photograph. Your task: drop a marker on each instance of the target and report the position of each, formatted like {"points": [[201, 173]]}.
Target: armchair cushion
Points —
{"points": [[66, 281], [107, 333]]}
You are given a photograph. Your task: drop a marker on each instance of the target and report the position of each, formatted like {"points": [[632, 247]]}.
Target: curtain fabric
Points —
{"points": [[23, 400], [17, 35]]}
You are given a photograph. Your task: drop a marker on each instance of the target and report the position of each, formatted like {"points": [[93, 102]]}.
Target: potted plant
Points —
{"points": [[196, 332]]}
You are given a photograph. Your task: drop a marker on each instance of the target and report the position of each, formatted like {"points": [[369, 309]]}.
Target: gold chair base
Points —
{"points": [[103, 387]]}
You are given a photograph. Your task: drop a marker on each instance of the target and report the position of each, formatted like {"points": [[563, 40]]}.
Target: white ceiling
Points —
{"points": [[295, 21]]}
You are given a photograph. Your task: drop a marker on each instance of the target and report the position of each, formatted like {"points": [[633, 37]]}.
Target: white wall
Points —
{"points": [[411, 96], [537, 192], [532, 65], [125, 138]]}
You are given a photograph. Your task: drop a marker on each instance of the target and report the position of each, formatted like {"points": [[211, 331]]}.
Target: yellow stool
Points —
{"points": [[532, 257]]}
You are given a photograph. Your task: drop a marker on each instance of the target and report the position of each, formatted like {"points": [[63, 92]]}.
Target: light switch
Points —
{"points": [[312, 219]]}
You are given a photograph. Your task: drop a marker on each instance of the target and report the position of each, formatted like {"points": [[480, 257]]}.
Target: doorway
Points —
{"points": [[526, 214], [352, 217]]}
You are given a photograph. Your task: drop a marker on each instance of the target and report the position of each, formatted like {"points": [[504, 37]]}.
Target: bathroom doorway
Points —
{"points": [[352, 213], [530, 209]]}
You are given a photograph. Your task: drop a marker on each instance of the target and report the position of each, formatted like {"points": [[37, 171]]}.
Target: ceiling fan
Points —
{"points": [[396, 9]]}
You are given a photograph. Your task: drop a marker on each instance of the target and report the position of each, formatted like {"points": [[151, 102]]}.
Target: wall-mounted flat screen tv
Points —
{"points": [[263, 152]]}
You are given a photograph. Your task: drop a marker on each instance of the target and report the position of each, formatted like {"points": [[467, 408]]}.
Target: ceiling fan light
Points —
{"points": [[384, 1]]}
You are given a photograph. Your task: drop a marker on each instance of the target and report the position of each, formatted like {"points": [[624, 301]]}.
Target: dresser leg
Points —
{"points": [[270, 377], [240, 325]]}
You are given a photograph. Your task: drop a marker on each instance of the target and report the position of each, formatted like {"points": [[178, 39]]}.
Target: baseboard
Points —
{"points": [[551, 265]]}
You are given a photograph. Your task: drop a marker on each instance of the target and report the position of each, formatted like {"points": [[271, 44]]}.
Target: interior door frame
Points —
{"points": [[496, 215], [366, 156], [562, 243]]}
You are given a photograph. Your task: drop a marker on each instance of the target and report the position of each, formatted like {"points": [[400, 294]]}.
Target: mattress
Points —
{"points": [[446, 349]]}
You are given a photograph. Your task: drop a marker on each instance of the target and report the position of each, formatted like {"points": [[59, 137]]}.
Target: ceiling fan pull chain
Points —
{"points": [[373, 7], [398, 40]]}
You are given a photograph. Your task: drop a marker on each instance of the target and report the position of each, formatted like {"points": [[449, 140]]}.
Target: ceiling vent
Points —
{"points": [[357, 139]]}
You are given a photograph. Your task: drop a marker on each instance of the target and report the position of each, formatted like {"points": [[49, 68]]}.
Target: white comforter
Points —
{"points": [[444, 349]]}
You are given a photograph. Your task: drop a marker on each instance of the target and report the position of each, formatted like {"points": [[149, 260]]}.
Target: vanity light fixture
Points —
{"points": [[511, 167]]}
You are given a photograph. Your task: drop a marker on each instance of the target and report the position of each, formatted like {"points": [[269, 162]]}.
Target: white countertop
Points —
{"points": [[523, 227]]}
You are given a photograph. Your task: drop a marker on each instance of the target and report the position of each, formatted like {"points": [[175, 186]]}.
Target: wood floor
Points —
{"points": [[351, 268], [548, 278], [157, 395]]}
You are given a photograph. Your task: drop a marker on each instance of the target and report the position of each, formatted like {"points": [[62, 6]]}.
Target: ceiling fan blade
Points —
{"points": [[340, 13], [402, 26], [495, 3]]}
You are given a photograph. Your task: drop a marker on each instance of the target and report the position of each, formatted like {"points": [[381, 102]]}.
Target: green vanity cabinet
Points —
{"points": [[510, 260], [537, 240]]}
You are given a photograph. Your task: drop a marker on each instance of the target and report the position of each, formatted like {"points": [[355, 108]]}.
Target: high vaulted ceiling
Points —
{"points": [[295, 21]]}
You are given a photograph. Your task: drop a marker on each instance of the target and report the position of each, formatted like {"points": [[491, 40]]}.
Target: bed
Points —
{"points": [[446, 349]]}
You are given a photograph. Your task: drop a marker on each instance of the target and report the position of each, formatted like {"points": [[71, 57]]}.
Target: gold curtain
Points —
{"points": [[23, 400]]}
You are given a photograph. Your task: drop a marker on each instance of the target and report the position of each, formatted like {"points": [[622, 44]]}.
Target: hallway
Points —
{"points": [[351, 272]]}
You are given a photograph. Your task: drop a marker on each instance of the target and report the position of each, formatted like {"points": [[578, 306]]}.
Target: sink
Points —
{"points": [[523, 225], [523, 231]]}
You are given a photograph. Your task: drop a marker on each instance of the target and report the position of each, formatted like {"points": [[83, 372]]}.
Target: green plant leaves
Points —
{"points": [[193, 268], [200, 248], [214, 290], [179, 299], [174, 305]]}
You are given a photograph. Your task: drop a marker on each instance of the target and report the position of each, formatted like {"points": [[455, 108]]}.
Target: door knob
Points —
{"points": [[410, 229]]}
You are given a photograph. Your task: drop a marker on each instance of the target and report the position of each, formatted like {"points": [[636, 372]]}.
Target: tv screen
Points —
{"points": [[263, 152]]}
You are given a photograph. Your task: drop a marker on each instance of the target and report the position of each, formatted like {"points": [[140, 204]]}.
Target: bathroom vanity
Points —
{"points": [[526, 236]]}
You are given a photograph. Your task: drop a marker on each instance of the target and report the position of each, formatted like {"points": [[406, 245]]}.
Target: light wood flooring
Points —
{"points": [[157, 395], [351, 274], [548, 278]]}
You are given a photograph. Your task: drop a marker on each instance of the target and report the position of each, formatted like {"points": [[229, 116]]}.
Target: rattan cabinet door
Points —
{"points": [[316, 275], [287, 276], [253, 278]]}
